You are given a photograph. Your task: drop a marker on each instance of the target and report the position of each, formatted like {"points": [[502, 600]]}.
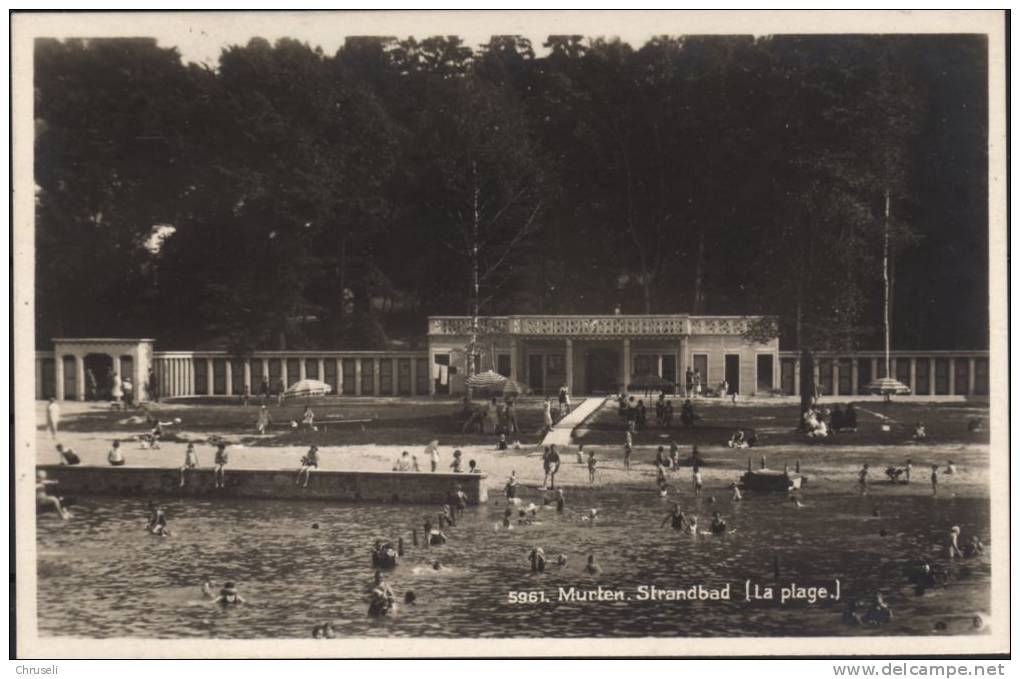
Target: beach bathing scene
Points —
{"points": [[366, 328]]}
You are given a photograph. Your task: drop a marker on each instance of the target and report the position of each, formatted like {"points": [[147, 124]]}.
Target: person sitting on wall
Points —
{"points": [[308, 418], [738, 440]]}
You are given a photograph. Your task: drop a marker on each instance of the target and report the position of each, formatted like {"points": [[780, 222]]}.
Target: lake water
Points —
{"points": [[101, 574]]}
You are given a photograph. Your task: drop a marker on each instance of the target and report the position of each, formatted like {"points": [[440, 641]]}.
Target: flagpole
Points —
{"points": [[885, 278]]}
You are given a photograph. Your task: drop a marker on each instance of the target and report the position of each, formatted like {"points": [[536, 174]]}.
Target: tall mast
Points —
{"points": [[885, 278]]}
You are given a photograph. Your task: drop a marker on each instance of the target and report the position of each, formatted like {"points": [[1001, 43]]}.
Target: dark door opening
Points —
{"points": [[765, 368], [733, 373], [601, 369], [669, 371], [536, 378]]}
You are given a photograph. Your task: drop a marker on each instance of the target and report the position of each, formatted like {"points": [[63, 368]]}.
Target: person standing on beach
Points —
{"points": [[432, 450], [262, 423], [546, 417], [220, 461], [934, 480], [862, 479], [53, 417]]}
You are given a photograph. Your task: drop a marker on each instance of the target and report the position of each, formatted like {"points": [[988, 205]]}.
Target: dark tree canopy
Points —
{"points": [[293, 198]]}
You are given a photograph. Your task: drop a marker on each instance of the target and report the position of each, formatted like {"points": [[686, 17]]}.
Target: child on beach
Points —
{"points": [[919, 432], [934, 480], [219, 462], [626, 454], [580, 453], [190, 461], [950, 468], [432, 449], [115, 457], [309, 462], [697, 480], [862, 479], [591, 466], [456, 464]]}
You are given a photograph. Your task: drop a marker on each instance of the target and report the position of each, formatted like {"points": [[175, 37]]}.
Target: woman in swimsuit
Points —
{"points": [[309, 462]]}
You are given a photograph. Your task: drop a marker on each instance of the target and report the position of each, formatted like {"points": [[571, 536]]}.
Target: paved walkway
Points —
{"points": [[562, 431]]}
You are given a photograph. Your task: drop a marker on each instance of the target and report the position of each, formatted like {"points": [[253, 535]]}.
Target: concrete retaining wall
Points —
{"points": [[390, 487]]}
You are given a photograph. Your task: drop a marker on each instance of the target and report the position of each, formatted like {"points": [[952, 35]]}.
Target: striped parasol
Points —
{"points": [[307, 388], [486, 380], [887, 386]]}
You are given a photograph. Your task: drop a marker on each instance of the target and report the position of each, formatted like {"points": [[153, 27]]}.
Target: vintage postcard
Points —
{"points": [[415, 334]]}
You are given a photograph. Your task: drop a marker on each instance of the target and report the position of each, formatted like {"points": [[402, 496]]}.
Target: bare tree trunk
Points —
{"points": [[698, 264], [475, 290]]}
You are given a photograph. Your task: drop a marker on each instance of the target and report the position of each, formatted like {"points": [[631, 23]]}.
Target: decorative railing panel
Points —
{"points": [[566, 326]]}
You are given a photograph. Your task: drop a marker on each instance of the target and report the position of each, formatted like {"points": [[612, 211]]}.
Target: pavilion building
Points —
{"points": [[590, 354]]}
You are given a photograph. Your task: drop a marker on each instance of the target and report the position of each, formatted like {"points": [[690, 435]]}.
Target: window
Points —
{"points": [[237, 376], [981, 376], [367, 377], [421, 382], [845, 376], [386, 377], [825, 376], [787, 375], [349, 376], [503, 364], [863, 374], [555, 364], [903, 370], [923, 377], [201, 376], [962, 367], [941, 376], [219, 371], [403, 376], [275, 375], [293, 370], [329, 374], [312, 368]]}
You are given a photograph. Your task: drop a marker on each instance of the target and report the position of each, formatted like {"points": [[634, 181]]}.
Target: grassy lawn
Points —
{"points": [[776, 424]]}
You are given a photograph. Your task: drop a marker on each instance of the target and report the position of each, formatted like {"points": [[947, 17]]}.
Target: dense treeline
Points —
{"points": [[291, 198]]}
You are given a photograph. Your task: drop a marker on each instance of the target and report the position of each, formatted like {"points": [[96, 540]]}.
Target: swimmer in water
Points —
{"points": [[410, 598], [507, 513], [592, 567], [537, 559], [737, 497], [974, 547], [591, 515], [158, 525], [229, 596], [676, 518], [561, 502], [718, 526], [954, 542], [561, 560]]}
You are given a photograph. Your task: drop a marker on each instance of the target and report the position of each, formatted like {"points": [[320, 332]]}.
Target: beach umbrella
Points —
{"points": [[649, 382], [515, 388], [486, 380], [307, 388], [887, 386]]}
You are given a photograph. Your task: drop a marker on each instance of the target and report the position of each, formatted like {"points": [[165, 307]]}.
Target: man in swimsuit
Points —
{"points": [[115, 456], [862, 479], [592, 567], [677, 519], [553, 466], [718, 526]]}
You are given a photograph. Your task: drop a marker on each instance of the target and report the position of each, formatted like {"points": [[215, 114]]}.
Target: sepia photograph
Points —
{"points": [[461, 334]]}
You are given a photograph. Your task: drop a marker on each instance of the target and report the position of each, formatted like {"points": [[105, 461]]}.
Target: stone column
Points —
{"points": [[228, 376], [570, 365], [58, 377], [913, 375], [796, 377], [247, 375], [79, 377], [835, 376], [376, 363], [815, 374], [854, 376], [322, 369], [141, 377], [874, 369], [116, 367], [209, 382], [952, 376], [283, 374], [971, 363], [357, 376], [625, 375], [339, 376], [513, 360], [395, 375], [302, 368]]}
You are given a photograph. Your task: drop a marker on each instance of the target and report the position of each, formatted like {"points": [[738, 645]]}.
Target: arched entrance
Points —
{"points": [[98, 371]]}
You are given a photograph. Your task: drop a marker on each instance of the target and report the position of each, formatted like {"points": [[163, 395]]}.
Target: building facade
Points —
{"points": [[589, 354]]}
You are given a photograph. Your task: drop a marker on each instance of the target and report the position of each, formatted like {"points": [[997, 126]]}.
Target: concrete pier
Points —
{"points": [[338, 486]]}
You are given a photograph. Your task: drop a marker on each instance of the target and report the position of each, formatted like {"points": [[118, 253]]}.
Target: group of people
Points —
{"points": [[495, 417], [407, 462], [901, 475], [822, 422]]}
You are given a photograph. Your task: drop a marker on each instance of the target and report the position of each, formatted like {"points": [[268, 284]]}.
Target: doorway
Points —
{"points": [[98, 377], [765, 373], [669, 371], [536, 373], [733, 373], [601, 369]]}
